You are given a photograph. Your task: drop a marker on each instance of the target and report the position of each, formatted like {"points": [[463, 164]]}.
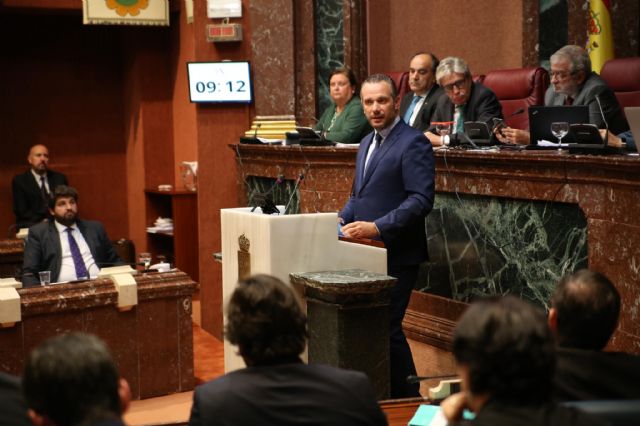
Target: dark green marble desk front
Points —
{"points": [[503, 222], [515, 222]]}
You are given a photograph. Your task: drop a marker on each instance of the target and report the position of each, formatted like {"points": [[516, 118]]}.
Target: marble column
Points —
{"points": [[348, 315], [272, 48]]}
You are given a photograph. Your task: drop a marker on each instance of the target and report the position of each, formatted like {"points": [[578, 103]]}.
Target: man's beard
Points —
{"points": [[66, 221]]}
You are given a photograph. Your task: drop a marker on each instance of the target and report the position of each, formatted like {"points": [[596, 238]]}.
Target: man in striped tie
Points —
{"points": [[70, 248]]}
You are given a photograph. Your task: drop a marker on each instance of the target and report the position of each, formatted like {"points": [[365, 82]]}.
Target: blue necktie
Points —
{"points": [[412, 106], [78, 263], [376, 144]]}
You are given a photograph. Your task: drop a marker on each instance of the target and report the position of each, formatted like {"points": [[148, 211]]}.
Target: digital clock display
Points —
{"points": [[220, 82]]}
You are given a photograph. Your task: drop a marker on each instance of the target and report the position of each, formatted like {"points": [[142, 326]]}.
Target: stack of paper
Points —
{"points": [[161, 226]]}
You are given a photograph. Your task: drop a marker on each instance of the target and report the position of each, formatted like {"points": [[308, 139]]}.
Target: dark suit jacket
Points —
{"points": [[593, 375], [13, 408], [483, 105], [43, 251], [497, 414], [28, 203], [396, 193], [287, 394], [423, 119], [592, 87]]}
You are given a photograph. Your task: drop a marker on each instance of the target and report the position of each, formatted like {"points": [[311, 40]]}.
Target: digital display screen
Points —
{"points": [[220, 82]]}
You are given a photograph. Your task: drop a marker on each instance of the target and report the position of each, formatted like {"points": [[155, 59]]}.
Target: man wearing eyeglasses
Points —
{"points": [[573, 83], [466, 100]]}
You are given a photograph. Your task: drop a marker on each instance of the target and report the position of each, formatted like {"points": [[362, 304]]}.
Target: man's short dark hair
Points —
{"points": [[62, 191], [382, 78], [265, 321], [587, 306], [434, 60], [508, 348], [72, 380]]}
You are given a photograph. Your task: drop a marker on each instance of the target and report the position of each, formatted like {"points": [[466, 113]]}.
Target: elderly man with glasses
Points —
{"points": [[573, 83], [466, 100]]}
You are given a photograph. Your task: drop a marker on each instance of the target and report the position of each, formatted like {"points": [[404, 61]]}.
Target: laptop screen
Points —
{"points": [[541, 117], [633, 117]]}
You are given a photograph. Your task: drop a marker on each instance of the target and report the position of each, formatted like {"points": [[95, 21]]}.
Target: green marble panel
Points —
{"points": [[329, 46], [489, 246]]}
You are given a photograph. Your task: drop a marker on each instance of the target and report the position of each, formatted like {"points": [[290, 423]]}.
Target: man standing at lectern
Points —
{"points": [[32, 189], [70, 248], [392, 193]]}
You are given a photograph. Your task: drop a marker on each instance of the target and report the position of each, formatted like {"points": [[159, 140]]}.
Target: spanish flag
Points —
{"points": [[600, 33]]}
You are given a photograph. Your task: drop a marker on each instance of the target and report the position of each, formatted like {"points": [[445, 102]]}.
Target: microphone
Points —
{"points": [[606, 125], [516, 112], [468, 140], [499, 122], [255, 134], [417, 379], [295, 189]]}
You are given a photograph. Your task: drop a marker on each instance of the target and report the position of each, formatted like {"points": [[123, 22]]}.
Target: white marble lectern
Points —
{"points": [[281, 244]]}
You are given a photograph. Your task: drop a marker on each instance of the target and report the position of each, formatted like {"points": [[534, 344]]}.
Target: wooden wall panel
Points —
{"points": [[61, 85]]}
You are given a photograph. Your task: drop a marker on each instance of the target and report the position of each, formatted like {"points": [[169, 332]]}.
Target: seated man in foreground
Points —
{"points": [[573, 83], [584, 314], [505, 356], [72, 380], [265, 320], [72, 249], [465, 101]]}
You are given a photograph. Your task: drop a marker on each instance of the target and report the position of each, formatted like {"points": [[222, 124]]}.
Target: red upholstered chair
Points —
{"points": [[401, 79], [623, 76], [518, 88]]}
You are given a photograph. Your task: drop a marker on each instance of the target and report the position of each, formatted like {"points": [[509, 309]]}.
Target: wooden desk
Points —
{"points": [[400, 411], [11, 258], [152, 343]]}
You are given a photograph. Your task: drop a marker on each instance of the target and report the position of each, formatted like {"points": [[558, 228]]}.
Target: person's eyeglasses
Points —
{"points": [[458, 84], [560, 75]]}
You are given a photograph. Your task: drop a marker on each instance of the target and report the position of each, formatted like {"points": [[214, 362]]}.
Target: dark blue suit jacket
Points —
{"points": [[396, 193], [287, 394], [43, 251]]}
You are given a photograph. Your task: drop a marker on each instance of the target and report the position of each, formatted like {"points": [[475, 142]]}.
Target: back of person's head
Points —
{"points": [[452, 65], [586, 306], [265, 321], [62, 191], [508, 349], [72, 380]]}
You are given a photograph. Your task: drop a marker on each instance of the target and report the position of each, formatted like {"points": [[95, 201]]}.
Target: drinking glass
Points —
{"points": [[45, 277], [560, 130], [145, 259], [443, 129]]}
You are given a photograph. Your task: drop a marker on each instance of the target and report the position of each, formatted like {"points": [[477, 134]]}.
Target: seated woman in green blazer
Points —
{"points": [[344, 120]]}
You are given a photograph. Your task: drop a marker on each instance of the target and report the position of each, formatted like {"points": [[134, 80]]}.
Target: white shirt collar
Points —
{"points": [[61, 228]]}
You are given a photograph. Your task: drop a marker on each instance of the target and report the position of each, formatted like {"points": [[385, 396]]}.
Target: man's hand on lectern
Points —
{"points": [[361, 230]]}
